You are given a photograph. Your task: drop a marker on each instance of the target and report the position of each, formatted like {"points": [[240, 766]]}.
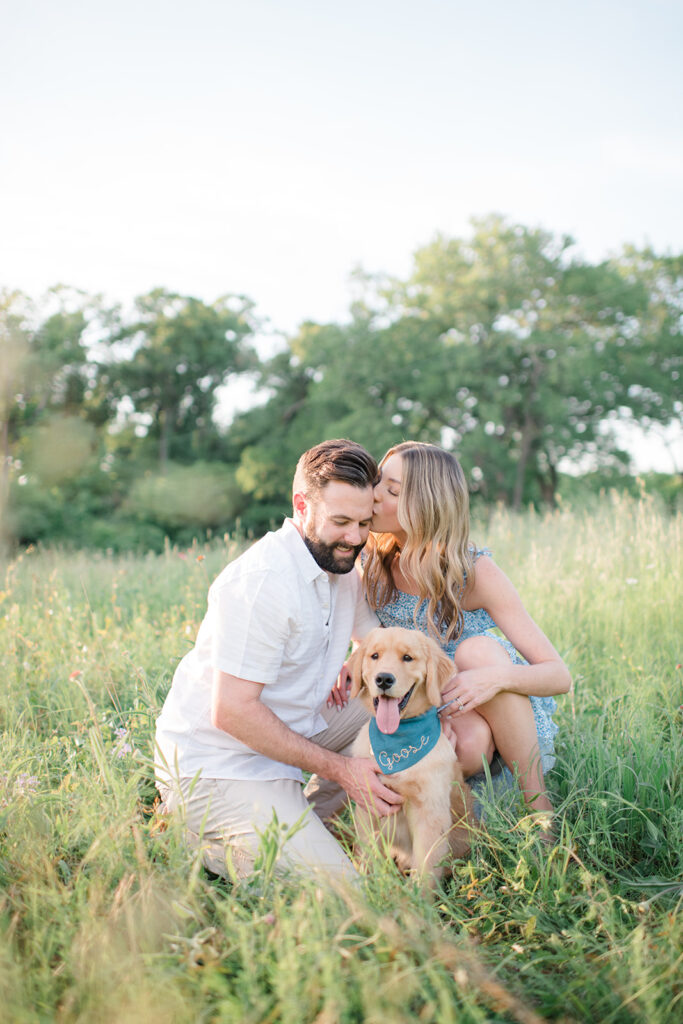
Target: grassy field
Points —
{"points": [[105, 917]]}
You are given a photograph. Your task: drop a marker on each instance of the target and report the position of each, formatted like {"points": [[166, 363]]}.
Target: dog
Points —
{"points": [[399, 674]]}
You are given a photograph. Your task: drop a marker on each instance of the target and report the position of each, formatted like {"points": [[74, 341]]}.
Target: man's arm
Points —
{"points": [[237, 709]]}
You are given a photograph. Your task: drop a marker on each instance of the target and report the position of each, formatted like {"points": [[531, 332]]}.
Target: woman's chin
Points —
{"points": [[377, 526]]}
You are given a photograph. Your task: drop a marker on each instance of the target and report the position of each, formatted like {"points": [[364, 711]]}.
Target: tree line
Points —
{"points": [[506, 346]]}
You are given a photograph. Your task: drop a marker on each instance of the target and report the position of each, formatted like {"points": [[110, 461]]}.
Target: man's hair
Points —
{"points": [[340, 460]]}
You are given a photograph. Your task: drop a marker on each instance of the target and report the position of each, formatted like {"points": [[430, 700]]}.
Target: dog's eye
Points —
{"points": [[407, 657], [374, 655]]}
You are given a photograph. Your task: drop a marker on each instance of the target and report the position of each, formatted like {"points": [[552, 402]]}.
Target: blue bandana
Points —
{"points": [[414, 738]]}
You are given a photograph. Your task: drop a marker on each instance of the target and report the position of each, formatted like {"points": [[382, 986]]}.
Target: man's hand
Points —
{"points": [[238, 710], [361, 778]]}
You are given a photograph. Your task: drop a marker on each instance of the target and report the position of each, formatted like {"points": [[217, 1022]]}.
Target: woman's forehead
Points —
{"points": [[392, 468]]}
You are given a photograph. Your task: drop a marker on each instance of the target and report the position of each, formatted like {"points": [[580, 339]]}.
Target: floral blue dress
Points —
{"points": [[400, 612]]}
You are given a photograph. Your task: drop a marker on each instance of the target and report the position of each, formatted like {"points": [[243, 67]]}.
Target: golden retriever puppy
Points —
{"points": [[399, 674]]}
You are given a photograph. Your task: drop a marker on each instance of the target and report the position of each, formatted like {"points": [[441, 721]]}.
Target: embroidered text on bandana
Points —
{"points": [[414, 738]]}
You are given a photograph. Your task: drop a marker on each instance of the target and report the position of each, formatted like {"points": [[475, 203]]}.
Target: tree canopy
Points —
{"points": [[505, 346]]}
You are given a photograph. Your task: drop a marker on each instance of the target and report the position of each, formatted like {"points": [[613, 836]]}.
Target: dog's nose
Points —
{"points": [[384, 680]]}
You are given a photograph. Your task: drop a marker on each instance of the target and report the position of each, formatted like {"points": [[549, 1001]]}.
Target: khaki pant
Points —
{"points": [[223, 817]]}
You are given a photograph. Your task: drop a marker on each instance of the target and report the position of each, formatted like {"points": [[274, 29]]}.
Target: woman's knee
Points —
{"points": [[480, 650], [509, 715]]}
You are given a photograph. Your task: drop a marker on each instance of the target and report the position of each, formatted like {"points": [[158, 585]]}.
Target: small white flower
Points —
{"points": [[631, 581]]}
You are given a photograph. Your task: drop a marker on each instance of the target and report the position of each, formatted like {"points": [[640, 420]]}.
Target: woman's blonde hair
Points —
{"points": [[433, 509]]}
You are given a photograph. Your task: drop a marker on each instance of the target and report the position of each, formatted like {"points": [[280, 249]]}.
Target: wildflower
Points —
{"points": [[631, 581], [75, 674], [25, 784], [123, 748]]}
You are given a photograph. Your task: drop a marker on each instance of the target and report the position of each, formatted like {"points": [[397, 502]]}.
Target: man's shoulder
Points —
{"points": [[271, 556]]}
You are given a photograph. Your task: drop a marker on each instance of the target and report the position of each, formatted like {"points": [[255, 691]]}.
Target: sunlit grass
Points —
{"points": [[104, 916]]}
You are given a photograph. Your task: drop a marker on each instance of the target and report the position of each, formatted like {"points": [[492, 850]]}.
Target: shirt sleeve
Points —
{"points": [[252, 626], [365, 618]]}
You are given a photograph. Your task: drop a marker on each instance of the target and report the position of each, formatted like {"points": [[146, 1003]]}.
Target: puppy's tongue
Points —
{"points": [[387, 714]]}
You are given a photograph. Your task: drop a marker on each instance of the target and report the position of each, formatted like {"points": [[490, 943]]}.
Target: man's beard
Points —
{"points": [[324, 554]]}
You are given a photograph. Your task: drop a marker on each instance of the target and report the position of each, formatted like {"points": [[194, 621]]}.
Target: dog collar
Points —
{"points": [[414, 738]]}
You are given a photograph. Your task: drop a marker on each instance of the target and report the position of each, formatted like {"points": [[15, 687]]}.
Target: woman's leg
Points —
{"points": [[473, 741], [510, 717]]}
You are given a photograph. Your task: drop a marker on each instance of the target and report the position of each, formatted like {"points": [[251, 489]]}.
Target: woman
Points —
{"points": [[421, 571]]}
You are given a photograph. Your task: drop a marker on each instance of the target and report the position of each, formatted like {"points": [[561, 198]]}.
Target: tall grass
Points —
{"points": [[104, 915]]}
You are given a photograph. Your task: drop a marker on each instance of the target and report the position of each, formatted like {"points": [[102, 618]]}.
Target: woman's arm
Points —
{"points": [[546, 674]]}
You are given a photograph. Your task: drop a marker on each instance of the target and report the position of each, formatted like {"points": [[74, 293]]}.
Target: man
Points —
{"points": [[244, 709]]}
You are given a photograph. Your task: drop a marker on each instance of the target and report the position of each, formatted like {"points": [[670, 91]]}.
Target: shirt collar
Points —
{"points": [[306, 563]]}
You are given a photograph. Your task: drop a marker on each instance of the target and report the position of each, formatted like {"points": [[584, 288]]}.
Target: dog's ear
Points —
{"points": [[440, 668], [355, 667]]}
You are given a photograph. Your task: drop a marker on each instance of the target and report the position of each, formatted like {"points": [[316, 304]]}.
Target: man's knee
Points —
{"points": [[232, 823]]}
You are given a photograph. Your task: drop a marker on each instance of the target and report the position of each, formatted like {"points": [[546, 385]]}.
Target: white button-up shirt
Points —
{"points": [[274, 617]]}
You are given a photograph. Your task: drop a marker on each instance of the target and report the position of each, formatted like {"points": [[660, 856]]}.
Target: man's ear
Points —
{"points": [[299, 504]]}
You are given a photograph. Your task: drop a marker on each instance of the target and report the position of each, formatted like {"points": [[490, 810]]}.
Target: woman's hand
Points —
{"points": [[339, 694], [471, 688]]}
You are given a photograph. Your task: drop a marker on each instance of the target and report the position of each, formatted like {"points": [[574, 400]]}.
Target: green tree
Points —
{"points": [[168, 361], [49, 409], [506, 346], [14, 359], [648, 358], [530, 329]]}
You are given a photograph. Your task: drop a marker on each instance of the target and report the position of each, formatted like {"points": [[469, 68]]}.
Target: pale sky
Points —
{"points": [[268, 148]]}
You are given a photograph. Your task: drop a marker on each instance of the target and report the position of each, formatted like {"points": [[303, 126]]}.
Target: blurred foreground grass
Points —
{"points": [[105, 917]]}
